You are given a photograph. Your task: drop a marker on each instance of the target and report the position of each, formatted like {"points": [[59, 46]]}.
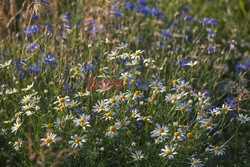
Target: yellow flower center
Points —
{"points": [[82, 120], [174, 81], [76, 68], [27, 99], [207, 124], [174, 98], [78, 140], [129, 132], [160, 131], [62, 107], [154, 95], [112, 128], [181, 126], [217, 148], [122, 97], [189, 135], [150, 59], [195, 163], [133, 115], [101, 107], [137, 53], [168, 152], [61, 100], [76, 74], [145, 118], [182, 109], [60, 123], [176, 134], [137, 93], [101, 70], [108, 114], [16, 114], [223, 109], [48, 140], [49, 125], [112, 100]]}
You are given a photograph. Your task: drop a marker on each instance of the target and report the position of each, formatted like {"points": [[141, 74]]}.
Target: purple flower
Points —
{"points": [[93, 29], [166, 33], [211, 49], [143, 9], [240, 67], [184, 8], [34, 16], [231, 101], [21, 74], [207, 21], [116, 12], [16, 63], [34, 69], [210, 33], [49, 59], [32, 46], [156, 13], [67, 16], [142, 2], [128, 5], [31, 29]]}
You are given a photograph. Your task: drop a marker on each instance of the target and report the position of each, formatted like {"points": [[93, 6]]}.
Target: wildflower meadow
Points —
{"points": [[124, 83]]}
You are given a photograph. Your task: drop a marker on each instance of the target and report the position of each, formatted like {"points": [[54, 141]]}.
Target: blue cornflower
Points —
{"points": [[211, 49], [128, 5], [21, 74], [142, 2], [31, 29], [240, 67], [67, 16], [93, 29], [184, 8], [183, 62], [143, 9], [189, 18], [166, 33], [32, 46], [16, 63], [49, 29], [156, 13], [91, 21], [206, 21], [34, 69], [116, 12], [210, 33], [35, 16], [231, 101], [49, 59]]}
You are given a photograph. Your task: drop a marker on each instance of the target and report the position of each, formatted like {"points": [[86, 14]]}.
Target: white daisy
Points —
{"points": [[77, 141]]}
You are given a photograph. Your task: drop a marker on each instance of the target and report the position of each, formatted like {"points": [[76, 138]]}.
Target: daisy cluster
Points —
{"points": [[183, 113]]}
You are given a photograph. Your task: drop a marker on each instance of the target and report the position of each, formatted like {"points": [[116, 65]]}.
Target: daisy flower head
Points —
{"points": [[168, 151], [145, 119], [172, 98], [191, 63], [179, 136], [137, 55], [160, 133], [16, 127], [149, 61], [183, 107], [83, 121], [62, 100], [77, 141], [100, 106], [112, 131], [194, 162], [49, 139], [207, 123], [243, 118], [138, 155], [217, 150], [225, 108], [18, 144]]}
